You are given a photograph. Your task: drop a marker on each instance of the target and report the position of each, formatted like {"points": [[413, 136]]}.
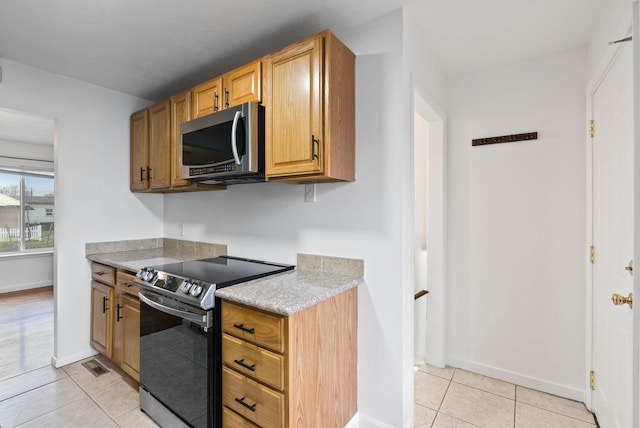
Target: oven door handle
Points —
{"points": [[201, 320]]}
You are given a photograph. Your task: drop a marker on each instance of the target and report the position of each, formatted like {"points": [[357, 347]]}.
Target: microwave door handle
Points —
{"points": [[234, 127]]}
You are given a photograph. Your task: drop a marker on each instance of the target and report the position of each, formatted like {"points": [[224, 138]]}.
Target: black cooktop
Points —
{"points": [[224, 270]]}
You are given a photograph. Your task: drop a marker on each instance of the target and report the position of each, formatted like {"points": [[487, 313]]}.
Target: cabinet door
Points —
{"points": [[206, 98], [127, 334], [243, 85], [159, 173], [101, 310], [180, 112], [294, 134], [139, 150]]}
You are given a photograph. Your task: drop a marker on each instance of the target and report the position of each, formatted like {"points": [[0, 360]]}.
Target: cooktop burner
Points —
{"points": [[224, 270], [195, 281]]}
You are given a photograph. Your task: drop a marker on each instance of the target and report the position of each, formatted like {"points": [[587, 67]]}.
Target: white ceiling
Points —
{"points": [[153, 48]]}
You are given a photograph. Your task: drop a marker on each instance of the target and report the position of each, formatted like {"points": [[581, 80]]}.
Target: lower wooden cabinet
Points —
{"points": [[115, 318], [101, 325], [295, 371], [126, 339]]}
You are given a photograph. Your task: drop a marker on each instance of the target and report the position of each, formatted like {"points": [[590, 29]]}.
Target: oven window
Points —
{"points": [[212, 145], [173, 364]]}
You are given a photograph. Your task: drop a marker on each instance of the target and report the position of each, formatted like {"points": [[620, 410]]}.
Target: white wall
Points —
{"points": [[362, 219], [93, 202], [614, 23], [516, 296], [26, 271]]}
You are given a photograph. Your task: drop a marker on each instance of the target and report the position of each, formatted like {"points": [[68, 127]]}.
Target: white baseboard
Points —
{"points": [[364, 421], [22, 287], [543, 385], [69, 359]]}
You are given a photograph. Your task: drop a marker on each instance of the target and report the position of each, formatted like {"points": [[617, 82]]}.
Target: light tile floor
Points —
{"points": [[457, 398], [71, 397]]}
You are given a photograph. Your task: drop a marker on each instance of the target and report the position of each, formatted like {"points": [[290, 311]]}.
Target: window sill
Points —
{"points": [[25, 254]]}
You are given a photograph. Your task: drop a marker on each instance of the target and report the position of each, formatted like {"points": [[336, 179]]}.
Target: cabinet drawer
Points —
{"points": [[102, 273], [253, 361], [254, 326], [231, 419], [124, 281], [256, 402]]}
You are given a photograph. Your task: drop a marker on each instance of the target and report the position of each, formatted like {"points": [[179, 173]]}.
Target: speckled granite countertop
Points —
{"points": [[317, 278], [134, 260], [289, 292]]}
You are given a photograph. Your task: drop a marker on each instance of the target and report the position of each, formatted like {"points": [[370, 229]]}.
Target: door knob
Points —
{"points": [[621, 300], [629, 268]]}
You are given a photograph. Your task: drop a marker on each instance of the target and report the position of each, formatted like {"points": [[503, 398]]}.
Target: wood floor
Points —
{"points": [[26, 331]]}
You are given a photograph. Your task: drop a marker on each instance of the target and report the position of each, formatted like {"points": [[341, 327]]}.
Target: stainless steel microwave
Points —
{"points": [[226, 147]]}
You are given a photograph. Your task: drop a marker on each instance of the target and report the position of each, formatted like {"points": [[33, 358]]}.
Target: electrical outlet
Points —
{"points": [[310, 192]]}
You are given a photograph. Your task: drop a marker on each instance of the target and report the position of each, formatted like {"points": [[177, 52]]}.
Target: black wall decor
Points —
{"points": [[505, 139]]}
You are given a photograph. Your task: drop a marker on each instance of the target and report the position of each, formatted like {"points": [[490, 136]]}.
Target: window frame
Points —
{"points": [[22, 175]]}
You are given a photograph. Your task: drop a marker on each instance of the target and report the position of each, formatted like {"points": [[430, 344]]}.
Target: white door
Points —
{"points": [[612, 105]]}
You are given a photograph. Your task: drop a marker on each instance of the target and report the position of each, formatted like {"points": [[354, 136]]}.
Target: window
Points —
{"points": [[26, 212]]}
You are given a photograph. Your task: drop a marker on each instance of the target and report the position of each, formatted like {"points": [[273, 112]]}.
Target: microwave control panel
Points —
{"points": [[194, 172]]}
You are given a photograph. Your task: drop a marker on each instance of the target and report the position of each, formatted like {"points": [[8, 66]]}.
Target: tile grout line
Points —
{"points": [[28, 390], [515, 399], [85, 392], [557, 413], [443, 397], [515, 404]]}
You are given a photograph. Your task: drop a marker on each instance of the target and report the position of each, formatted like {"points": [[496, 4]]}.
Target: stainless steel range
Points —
{"points": [[180, 361]]}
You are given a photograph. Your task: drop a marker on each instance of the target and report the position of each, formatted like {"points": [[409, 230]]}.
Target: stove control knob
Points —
{"points": [[196, 290], [151, 276], [186, 285]]}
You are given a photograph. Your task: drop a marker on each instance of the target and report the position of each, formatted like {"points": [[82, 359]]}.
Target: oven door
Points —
{"points": [[176, 362]]}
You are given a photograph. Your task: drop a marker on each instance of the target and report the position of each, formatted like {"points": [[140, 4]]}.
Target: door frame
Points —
{"points": [[436, 227], [636, 205], [607, 62]]}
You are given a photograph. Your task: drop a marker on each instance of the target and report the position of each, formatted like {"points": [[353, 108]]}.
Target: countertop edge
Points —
{"points": [[284, 294]]}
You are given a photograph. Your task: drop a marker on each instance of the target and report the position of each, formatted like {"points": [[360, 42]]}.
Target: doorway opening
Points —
{"points": [[428, 233], [27, 241]]}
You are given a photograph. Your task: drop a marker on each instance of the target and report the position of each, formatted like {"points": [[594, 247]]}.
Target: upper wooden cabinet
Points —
{"points": [[310, 112], [308, 90], [159, 173], [235, 87], [243, 84], [150, 144], [155, 147], [139, 150], [206, 98]]}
